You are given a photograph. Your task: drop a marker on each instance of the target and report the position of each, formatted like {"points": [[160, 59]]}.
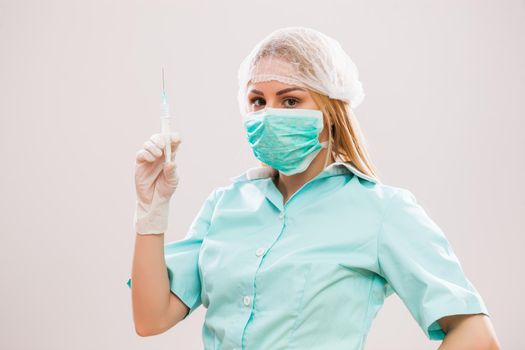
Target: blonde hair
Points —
{"points": [[345, 138]]}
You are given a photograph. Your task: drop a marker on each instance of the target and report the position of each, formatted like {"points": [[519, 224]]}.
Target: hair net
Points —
{"points": [[304, 57]]}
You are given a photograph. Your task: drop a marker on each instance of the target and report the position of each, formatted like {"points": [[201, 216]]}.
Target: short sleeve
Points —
{"points": [[181, 257], [419, 264]]}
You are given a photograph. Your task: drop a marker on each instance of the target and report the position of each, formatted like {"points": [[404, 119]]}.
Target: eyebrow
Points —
{"points": [[283, 91]]}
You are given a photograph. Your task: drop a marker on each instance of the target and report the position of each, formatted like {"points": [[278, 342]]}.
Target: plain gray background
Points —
{"points": [[80, 91]]}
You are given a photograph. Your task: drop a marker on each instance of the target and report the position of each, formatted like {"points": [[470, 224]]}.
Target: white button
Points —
{"points": [[246, 300], [259, 251], [281, 215]]}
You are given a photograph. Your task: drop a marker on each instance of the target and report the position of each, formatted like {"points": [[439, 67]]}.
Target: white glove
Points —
{"points": [[155, 182]]}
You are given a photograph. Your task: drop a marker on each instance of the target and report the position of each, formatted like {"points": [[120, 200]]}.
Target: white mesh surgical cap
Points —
{"points": [[303, 57]]}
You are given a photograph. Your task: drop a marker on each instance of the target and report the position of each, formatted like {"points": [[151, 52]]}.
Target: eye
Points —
{"points": [[294, 100], [253, 99], [288, 102]]}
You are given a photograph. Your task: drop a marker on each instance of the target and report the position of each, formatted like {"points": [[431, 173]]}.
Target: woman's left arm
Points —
{"points": [[468, 332], [419, 264]]}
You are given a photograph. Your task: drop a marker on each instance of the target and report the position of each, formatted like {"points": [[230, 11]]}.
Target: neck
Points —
{"points": [[288, 184]]}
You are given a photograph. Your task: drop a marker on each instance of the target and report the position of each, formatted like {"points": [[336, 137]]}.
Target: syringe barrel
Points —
{"points": [[164, 109], [167, 124]]}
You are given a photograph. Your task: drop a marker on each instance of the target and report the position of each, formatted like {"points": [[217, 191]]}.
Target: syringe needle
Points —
{"points": [[163, 88]]}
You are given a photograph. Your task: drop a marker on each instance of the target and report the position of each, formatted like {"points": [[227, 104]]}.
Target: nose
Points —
{"points": [[272, 103]]}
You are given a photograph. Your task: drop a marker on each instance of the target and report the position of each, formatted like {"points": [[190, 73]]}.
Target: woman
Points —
{"points": [[300, 252]]}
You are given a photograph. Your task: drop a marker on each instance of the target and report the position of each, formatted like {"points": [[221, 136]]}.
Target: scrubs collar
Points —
{"points": [[337, 167]]}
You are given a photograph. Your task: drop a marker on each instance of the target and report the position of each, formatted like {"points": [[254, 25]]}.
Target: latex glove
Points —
{"points": [[155, 183]]}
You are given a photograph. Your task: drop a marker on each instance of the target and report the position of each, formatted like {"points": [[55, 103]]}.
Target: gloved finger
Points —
{"points": [[159, 140], [175, 142], [175, 136], [145, 155], [152, 148], [139, 157]]}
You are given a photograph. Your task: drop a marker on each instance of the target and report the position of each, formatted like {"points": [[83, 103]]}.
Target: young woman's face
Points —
{"points": [[274, 94]]}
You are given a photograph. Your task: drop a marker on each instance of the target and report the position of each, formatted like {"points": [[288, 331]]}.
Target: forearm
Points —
{"points": [[470, 335], [150, 283]]}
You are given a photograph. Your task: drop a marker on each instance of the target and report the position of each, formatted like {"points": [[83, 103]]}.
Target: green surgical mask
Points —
{"points": [[285, 138]]}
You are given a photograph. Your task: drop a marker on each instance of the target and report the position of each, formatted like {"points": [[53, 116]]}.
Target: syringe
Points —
{"points": [[166, 122]]}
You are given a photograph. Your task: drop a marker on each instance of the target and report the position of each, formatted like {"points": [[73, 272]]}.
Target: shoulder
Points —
{"points": [[397, 204], [238, 187], [396, 195], [379, 195]]}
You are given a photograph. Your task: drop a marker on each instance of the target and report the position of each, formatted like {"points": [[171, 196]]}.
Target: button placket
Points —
{"points": [[259, 252]]}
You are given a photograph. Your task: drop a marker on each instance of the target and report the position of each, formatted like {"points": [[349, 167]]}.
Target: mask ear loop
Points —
{"points": [[335, 155], [330, 137]]}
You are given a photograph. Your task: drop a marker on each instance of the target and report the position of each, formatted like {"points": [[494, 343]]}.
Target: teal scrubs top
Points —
{"points": [[314, 272]]}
